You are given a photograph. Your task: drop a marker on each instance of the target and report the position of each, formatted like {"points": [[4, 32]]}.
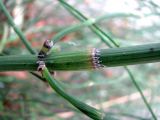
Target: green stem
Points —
{"points": [[86, 23], [141, 93], [104, 37], [83, 60], [70, 29], [86, 109], [17, 30], [4, 38]]}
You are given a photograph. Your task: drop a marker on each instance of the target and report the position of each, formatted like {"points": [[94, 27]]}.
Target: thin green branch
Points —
{"points": [[141, 93], [4, 38], [38, 76], [86, 23], [86, 109], [70, 29], [104, 37], [16, 29]]}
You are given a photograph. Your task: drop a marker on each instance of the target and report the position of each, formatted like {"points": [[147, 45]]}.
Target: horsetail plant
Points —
{"points": [[86, 109], [111, 43], [78, 60], [85, 59]]}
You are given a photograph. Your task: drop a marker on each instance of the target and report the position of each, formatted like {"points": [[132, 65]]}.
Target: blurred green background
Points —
{"points": [[23, 96]]}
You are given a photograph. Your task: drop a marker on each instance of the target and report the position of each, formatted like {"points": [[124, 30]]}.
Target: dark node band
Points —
{"points": [[41, 55], [95, 59]]}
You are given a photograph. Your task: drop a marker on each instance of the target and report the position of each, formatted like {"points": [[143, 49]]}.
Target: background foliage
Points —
{"points": [[22, 96]]}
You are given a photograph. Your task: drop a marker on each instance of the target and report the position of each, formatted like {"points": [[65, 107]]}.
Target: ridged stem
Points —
{"points": [[107, 40], [83, 60], [86, 109]]}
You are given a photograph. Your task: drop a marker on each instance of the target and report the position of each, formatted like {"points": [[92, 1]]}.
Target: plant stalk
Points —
{"points": [[107, 40], [83, 60]]}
